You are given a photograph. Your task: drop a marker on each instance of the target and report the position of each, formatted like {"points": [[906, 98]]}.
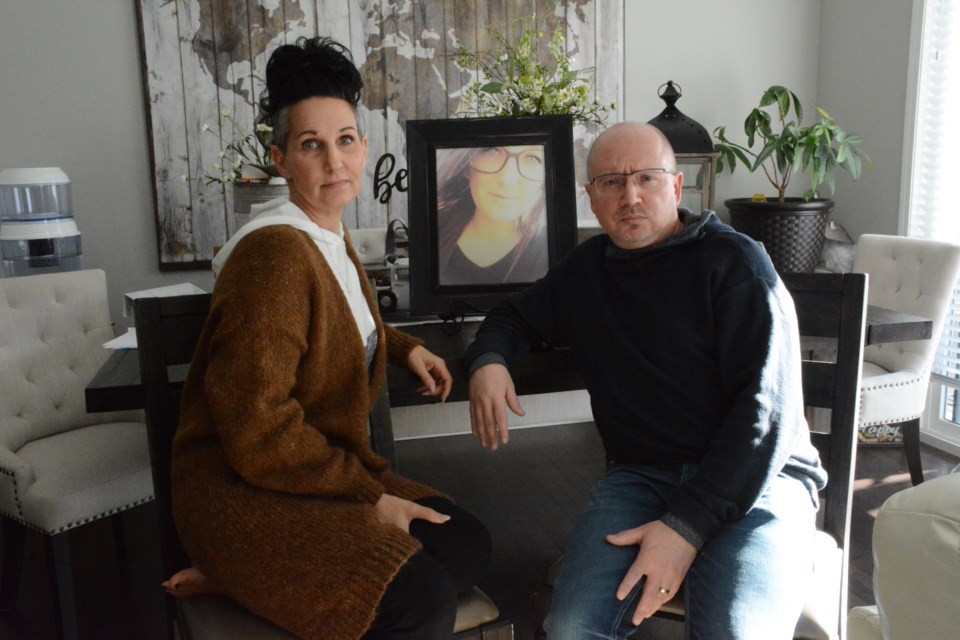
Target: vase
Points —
{"points": [[247, 194]]}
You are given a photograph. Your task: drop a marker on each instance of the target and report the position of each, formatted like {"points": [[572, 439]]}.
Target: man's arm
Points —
{"points": [[490, 388], [764, 426], [504, 336]]}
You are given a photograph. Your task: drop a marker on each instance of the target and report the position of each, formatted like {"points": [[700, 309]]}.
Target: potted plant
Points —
{"points": [[791, 229], [246, 164]]}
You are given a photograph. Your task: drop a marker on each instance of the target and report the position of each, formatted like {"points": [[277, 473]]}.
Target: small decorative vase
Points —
{"points": [[247, 194]]}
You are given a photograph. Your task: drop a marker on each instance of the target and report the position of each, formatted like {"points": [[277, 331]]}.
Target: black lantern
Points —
{"points": [[693, 147]]}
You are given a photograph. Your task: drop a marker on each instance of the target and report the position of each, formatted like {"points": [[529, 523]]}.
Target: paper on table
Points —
{"points": [[126, 341]]}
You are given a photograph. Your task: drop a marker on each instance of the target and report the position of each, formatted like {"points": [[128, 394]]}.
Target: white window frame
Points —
{"points": [[934, 430]]}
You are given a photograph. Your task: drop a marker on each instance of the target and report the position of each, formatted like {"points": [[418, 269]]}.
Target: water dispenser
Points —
{"points": [[37, 231]]}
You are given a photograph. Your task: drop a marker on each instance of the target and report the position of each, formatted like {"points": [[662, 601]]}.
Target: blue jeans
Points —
{"points": [[747, 582]]}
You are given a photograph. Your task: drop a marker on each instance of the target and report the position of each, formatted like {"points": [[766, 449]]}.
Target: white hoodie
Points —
{"points": [[331, 245]]}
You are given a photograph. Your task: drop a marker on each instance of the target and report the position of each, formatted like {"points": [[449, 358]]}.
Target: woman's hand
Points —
{"points": [[432, 370], [400, 513]]}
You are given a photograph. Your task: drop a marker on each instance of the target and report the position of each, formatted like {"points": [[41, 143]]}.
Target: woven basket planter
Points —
{"points": [[791, 232]]}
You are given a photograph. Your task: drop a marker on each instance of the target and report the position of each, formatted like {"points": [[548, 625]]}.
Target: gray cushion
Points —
{"points": [[216, 618], [85, 474], [474, 609]]}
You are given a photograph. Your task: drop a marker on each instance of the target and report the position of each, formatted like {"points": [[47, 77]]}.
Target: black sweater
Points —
{"points": [[690, 354]]}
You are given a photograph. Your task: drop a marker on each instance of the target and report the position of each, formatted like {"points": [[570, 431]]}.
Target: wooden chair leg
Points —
{"points": [[911, 446], [61, 580], [120, 543], [14, 539]]}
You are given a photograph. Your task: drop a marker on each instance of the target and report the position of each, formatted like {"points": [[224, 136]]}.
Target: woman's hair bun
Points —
{"points": [[313, 67]]}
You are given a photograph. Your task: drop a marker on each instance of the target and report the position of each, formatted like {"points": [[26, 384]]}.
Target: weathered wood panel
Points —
{"points": [[202, 58], [429, 31]]}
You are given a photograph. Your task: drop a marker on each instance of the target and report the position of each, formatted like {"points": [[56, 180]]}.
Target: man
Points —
{"points": [[687, 340]]}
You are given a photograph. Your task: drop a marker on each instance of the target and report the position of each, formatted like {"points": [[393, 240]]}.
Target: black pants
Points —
{"points": [[421, 601]]}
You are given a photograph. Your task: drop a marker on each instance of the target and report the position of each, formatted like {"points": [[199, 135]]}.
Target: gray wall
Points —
{"points": [[862, 83], [71, 96], [723, 55]]}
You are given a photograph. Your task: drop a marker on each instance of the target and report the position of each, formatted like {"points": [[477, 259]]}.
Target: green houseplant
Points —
{"points": [[779, 145]]}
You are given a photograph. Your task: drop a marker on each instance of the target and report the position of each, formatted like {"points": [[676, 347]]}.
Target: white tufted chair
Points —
{"points": [[60, 467], [916, 566], [913, 276]]}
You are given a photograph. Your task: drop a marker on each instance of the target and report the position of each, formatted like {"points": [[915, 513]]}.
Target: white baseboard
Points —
{"points": [[453, 418], [940, 442]]}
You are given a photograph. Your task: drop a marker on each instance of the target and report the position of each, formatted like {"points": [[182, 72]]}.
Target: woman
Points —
{"points": [[277, 497], [490, 211]]}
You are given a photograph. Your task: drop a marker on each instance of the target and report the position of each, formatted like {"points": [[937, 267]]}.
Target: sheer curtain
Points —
{"points": [[932, 175]]}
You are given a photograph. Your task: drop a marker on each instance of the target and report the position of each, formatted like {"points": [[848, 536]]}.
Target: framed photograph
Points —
{"points": [[491, 207]]}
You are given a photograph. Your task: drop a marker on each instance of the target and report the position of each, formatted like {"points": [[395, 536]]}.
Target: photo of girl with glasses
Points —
{"points": [[491, 209]]}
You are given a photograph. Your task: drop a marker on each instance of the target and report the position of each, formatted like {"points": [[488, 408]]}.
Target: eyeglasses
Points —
{"points": [[493, 159], [646, 180]]}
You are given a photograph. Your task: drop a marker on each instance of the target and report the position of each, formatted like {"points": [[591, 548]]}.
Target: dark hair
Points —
{"points": [[311, 68]]}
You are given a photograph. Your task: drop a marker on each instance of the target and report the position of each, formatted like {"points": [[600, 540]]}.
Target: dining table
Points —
{"points": [[116, 386]]}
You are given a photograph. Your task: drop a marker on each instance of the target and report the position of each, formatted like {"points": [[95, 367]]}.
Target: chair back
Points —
{"points": [[52, 330], [910, 275], [168, 330], [832, 306]]}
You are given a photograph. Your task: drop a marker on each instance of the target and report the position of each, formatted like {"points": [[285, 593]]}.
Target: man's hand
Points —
{"points": [[432, 370], [664, 558], [490, 387], [400, 512]]}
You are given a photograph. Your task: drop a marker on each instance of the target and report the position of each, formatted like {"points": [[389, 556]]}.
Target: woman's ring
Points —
{"points": [[665, 591]]}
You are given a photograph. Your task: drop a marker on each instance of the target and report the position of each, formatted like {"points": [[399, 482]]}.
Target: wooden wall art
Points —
{"points": [[204, 57]]}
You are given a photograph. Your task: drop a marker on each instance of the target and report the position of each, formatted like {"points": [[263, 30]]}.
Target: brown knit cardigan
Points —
{"points": [[273, 478]]}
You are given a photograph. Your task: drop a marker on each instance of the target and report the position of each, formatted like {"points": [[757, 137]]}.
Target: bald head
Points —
{"points": [[649, 141], [640, 211]]}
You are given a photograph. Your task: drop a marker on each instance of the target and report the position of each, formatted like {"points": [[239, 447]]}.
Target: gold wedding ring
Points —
{"points": [[665, 591]]}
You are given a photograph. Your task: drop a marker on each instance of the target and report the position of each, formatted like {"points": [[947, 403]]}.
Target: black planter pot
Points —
{"points": [[791, 232]]}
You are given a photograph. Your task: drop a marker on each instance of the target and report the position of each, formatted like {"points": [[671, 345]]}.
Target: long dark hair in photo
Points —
{"points": [[455, 206]]}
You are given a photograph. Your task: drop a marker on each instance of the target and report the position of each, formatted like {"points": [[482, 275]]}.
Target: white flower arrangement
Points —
{"points": [[514, 81], [250, 149]]}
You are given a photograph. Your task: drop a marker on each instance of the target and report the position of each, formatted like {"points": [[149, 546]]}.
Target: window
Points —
{"points": [[933, 142]]}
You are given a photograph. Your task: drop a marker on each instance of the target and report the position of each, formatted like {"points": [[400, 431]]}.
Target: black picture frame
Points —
{"points": [[430, 294]]}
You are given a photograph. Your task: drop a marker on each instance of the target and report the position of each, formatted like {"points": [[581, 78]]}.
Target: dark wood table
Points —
{"points": [[887, 325], [116, 386]]}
